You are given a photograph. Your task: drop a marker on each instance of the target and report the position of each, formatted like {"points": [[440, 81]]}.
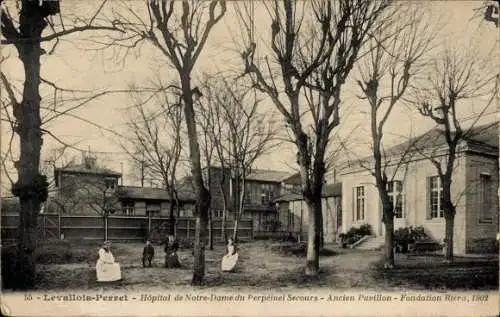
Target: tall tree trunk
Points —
{"points": [[314, 235], [171, 218], [388, 220], [31, 187], [239, 213], [223, 225], [224, 210], [449, 216], [202, 193], [321, 235], [389, 239], [449, 209], [210, 230], [199, 247], [235, 227]]}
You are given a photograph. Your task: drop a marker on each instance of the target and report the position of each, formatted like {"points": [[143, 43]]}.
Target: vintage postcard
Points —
{"points": [[249, 158]]}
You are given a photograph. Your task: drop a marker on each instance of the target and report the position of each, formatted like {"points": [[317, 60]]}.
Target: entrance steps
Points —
{"points": [[371, 243]]}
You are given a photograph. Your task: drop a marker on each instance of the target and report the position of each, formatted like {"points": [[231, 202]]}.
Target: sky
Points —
{"points": [[74, 65]]}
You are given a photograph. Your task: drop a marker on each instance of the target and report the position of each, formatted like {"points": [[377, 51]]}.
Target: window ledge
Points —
{"points": [[359, 222], [485, 222], [435, 220]]}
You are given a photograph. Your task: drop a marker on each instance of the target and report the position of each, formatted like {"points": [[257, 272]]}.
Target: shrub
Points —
{"points": [[365, 230], [403, 237], [354, 234], [483, 245]]}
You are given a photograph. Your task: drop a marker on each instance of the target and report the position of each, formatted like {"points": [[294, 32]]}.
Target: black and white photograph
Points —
{"points": [[249, 158]]}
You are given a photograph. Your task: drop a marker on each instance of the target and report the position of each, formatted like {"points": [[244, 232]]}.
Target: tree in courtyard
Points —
{"points": [[314, 45], [453, 79], [36, 25], [242, 131], [395, 54], [179, 30], [207, 136], [155, 142]]}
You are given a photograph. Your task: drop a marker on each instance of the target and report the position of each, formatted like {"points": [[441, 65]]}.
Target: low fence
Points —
{"points": [[90, 227]]}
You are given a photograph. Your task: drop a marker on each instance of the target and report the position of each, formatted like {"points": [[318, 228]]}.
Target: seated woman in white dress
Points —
{"points": [[106, 268], [231, 258]]}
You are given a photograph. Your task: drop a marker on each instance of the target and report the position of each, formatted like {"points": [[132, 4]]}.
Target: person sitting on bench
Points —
{"points": [[171, 247], [230, 260], [107, 269]]}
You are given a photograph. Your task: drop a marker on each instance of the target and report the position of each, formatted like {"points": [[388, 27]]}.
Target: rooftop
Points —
{"points": [[151, 193], [329, 190], [263, 175], [84, 169], [293, 179], [486, 136]]}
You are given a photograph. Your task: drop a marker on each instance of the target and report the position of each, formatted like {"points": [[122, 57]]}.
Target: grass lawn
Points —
{"points": [[263, 265]]}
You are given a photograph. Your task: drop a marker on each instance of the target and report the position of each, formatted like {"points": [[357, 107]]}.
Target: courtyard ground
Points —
{"points": [[263, 265]]}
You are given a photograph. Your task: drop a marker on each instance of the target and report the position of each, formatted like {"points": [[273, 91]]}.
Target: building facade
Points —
{"points": [[85, 188], [261, 187], [90, 189], [416, 191], [294, 213], [146, 201]]}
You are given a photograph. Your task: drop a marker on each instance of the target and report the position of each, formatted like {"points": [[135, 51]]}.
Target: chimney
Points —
{"points": [[89, 162]]}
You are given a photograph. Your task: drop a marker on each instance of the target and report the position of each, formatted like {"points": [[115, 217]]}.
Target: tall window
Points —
{"points": [[396, 197], [485, 198], [359, 203], [128, 208], [259, 194], [291, 219], [252, 193], [266, 194], [436, 198]]}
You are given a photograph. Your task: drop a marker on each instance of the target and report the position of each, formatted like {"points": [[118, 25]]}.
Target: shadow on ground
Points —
{"points": [[430, 272]]}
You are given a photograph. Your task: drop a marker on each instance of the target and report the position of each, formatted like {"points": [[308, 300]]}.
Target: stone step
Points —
{"points": [[372, 243]]}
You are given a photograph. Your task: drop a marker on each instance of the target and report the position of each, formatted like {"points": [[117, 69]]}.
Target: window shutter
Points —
{"points": [[428, 198], [402, 197], [354, 204]]}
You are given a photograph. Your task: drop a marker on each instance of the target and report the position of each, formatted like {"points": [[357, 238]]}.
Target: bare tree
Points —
{"points": [[313, 45], [89, 193], [156, 142], [206, 123], [454, 78], [214, 131], [179, 30], [241, 132], [395, 55], [27, 36]]}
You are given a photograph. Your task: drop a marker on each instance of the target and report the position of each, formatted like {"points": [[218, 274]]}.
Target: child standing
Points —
{"points": [[147, 254]]}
